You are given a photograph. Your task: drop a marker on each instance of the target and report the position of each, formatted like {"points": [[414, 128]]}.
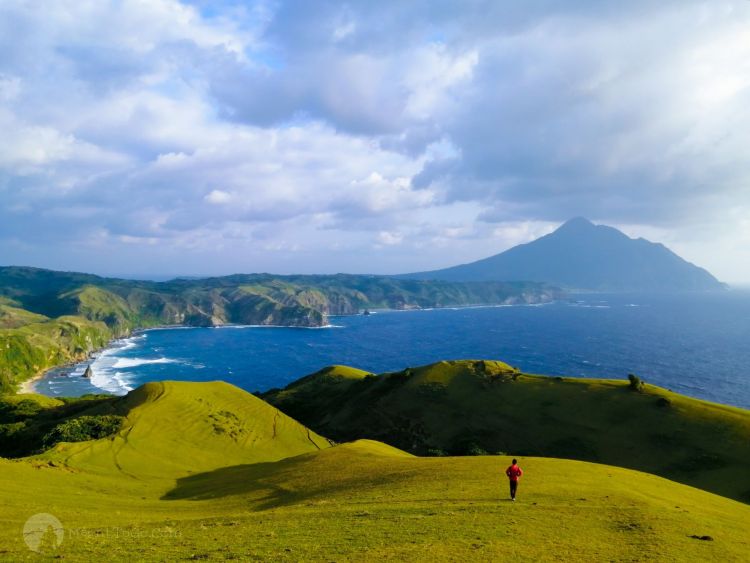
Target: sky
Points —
{"points": [[151, 138]]}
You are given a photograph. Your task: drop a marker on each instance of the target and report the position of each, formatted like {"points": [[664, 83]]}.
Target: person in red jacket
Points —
{"points": [[514, 474]]}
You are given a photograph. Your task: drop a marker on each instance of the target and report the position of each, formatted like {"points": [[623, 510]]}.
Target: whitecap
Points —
{"points": [[123, 363]]}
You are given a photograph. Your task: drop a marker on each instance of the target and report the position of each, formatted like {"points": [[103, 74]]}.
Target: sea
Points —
{"points": [[697, 344]]}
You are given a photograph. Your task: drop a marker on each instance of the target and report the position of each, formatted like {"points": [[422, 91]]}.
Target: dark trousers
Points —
{"points": [[513, 487]]}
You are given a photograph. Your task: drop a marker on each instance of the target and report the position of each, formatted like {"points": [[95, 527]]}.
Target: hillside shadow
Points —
{"points": [[272, 484], [264, 483]]}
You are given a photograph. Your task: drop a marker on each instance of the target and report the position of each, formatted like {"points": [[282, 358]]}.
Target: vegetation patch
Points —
{"points": [[84, 428], [30, 424]]}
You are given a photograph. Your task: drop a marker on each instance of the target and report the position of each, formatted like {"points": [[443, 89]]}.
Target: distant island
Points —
{"points": [[582, 256], [49, 318]]}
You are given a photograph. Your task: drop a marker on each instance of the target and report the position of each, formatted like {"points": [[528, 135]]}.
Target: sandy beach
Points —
{"points": [[28, 386]]}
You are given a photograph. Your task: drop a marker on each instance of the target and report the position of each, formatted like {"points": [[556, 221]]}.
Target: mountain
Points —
{"points": [[581, 255], [481, 406]]}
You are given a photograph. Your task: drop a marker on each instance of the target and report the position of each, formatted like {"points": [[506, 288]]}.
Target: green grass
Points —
{"points": [[364, 501], [14, 317], [469, 407], [97, 304]]}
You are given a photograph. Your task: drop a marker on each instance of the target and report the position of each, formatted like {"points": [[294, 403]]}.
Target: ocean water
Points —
{"points": [[696, 344]]}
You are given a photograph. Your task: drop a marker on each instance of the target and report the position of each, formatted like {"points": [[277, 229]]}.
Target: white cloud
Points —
{"points": [[218, 197], [389, 239], [292, 133]]}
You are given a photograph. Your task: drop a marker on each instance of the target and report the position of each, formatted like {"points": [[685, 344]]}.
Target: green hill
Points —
{"points": [[14, 317], [205, 471], [168, 429], [474, 407]]}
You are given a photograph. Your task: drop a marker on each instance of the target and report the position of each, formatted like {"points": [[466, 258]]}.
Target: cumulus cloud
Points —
{"points": [[206, 137]]}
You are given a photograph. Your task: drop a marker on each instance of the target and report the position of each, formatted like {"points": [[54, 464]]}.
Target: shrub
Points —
{"points": [[663, 402], [475, 449], [25, 408], [636, 384], [84, 428]]}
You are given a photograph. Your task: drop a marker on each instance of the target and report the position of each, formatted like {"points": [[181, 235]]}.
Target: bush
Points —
{"points": [[20, 410], [84, 428], [636, 384], [475, 449]]}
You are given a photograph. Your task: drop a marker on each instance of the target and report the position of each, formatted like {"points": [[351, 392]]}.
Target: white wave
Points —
{"points": [[108, 381], [121, 382], [123, 363]]}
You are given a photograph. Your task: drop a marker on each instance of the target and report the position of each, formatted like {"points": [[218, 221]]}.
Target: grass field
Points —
{"points": [[205, 471]]}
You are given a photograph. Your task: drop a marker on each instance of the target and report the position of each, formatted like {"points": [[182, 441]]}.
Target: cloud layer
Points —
{"points": [[164, 137]]}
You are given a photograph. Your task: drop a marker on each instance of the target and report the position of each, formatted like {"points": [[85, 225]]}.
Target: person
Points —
{"points": [[514, 474]]}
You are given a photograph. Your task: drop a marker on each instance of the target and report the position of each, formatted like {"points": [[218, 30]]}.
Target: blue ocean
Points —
{"points": [[696, 344]]}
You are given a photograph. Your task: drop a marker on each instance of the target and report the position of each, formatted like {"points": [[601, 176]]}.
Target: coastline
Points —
{"points": [[28, 386]]}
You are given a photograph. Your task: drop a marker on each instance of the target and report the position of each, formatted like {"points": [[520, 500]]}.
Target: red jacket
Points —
{"points": [[513, 472]]}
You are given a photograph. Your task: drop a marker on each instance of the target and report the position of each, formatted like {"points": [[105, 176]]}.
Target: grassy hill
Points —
{"points": [[171, 486], [15, 317], [168, 429], [474, 407]]}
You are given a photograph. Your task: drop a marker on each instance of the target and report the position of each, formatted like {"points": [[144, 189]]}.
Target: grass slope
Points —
{"points": [[470, 407], [367, 501], [174, 428], [14, 317]]}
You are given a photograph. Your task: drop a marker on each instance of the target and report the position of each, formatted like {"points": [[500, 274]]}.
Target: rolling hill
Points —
{"points": [[581, 255], [168, 486], [475, 407]]}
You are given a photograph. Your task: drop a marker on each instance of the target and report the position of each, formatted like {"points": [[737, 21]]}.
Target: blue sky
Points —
{"points": [[159, 137]]}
